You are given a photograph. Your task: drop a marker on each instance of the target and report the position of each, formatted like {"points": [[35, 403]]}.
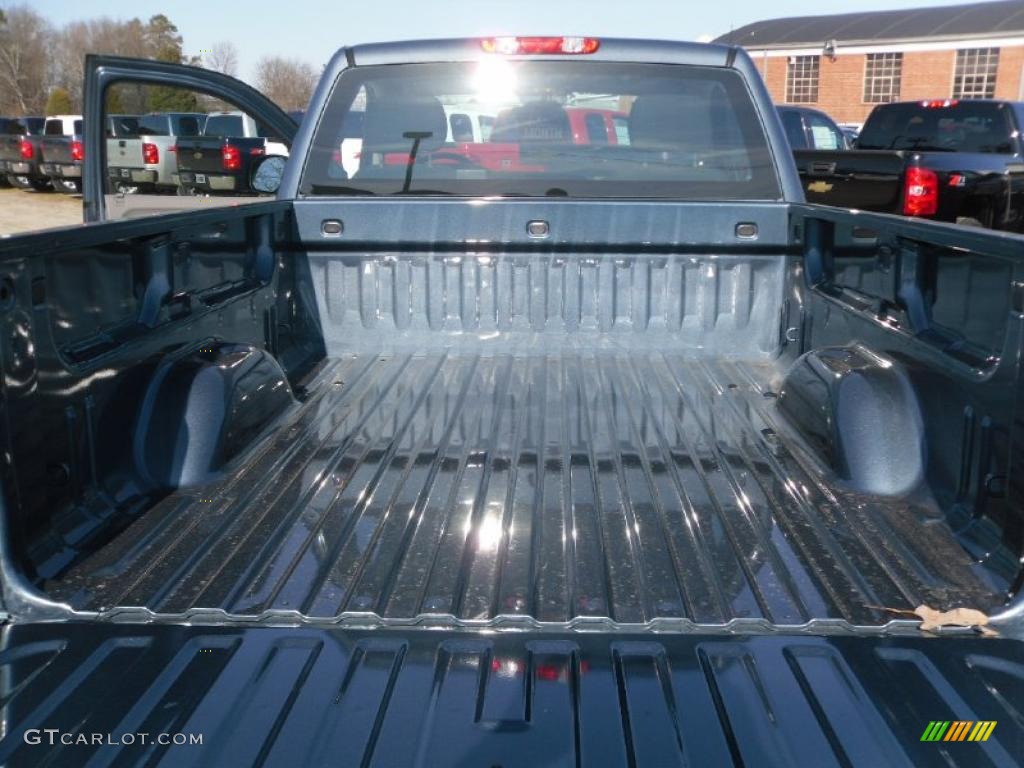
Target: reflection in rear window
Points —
{"points": [[680, 132], [960, 127], [597, 133], [461, 128]]}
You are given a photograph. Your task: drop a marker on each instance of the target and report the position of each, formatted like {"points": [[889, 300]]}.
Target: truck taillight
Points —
{"points": [[77, 151], [150, 153], [26, 149], [230, 158], [511, 46], [920, 192]]}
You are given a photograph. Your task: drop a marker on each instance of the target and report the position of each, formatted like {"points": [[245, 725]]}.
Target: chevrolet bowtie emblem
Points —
{"points": [[819, 186], [198, 155]]}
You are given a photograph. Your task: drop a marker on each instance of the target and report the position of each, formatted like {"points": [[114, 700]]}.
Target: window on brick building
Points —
{"points": [[882, 72], [802, 79], [975, 73]]}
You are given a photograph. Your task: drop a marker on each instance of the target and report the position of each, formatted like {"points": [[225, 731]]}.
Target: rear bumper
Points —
{"points": [[62, 170], [210, 182], [19, 168], [135, 175]]}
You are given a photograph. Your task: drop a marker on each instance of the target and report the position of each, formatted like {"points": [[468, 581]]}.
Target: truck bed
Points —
{"points": [[624, 485]]}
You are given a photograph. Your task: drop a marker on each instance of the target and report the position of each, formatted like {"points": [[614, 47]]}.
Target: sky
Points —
{"points": [[313, 30]]}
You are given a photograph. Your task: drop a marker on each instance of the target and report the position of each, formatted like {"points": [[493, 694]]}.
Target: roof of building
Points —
{"points": [[951, 21]]}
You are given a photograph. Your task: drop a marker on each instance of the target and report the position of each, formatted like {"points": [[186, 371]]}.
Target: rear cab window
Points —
{"points": [[154, 125], [120, 126], [940, 126], [12, 126], [682, 132], [793, 124], [223, 126], [824, 133], [54, 128], [187, 125]]}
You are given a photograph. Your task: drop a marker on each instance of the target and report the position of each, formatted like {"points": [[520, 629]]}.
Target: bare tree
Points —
{"points": [[24, 42], [78, 38], [288, 82], [157, 38], [222, 57]]}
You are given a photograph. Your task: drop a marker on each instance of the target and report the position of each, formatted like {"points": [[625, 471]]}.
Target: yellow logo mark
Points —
{"points": [[819, 186]]}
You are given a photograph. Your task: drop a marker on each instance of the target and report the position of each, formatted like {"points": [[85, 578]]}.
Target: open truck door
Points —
{"points": [[151, 183]]}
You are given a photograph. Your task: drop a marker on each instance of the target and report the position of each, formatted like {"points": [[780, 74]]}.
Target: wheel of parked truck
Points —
{"points": [[185, 191], [41, 185], [70, 186]]}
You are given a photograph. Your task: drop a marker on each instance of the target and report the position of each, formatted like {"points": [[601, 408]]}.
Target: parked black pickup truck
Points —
{"points": [[222, 159], [947, 160], [19, 152], [623, 455]]}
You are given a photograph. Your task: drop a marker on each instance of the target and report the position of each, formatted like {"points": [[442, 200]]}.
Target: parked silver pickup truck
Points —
{"points": [[147, 161]]}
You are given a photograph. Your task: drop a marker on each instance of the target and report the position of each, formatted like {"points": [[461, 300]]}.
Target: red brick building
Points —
{"points": [[846, 64]]}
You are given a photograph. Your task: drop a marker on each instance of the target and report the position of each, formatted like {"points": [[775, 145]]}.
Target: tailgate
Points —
{"points": [[332, 696], [200, 155], [56, 149], [870, 180], [10, 147], [124, 153]]}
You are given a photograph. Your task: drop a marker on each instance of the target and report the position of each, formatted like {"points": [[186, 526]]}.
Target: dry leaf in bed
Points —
{"points": [[932, 619]]}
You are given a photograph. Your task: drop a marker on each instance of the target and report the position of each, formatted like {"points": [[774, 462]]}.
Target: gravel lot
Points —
{"points": [[22, 211]]}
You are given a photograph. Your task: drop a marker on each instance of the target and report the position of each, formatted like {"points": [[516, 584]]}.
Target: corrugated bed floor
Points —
{"points": [[629, 486]]}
